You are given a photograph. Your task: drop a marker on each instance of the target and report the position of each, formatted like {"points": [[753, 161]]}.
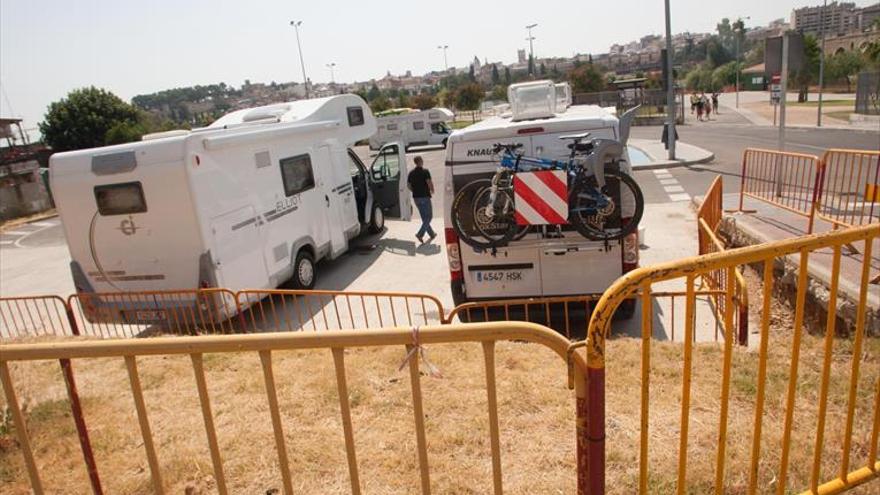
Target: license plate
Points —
{"points": [[499, 276], [150, 315]]}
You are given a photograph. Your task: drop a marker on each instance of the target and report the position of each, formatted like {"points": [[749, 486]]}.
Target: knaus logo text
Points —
{"points": [[480, 152]]}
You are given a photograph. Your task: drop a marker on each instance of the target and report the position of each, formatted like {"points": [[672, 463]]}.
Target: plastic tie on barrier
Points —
{"points": [[417, 348]]}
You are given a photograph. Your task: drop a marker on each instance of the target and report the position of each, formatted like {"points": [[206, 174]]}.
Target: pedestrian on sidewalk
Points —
{"points": [[694, 100], [708, 108], [715, 102], [419, 182], [700, 103]]}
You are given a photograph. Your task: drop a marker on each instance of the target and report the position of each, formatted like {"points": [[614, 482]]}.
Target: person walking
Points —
{"points": [[700, 104], [694, 100], [708, 107], [419, 183], [715, 102]]}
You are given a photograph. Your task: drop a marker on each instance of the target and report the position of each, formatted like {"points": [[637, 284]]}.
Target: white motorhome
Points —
{"points": [[412, 127], [548, 261], [255, 199]]}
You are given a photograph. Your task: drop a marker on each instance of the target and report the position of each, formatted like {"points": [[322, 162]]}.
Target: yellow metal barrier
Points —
{"points": [[850, 187], [859, 390], [266, 345], [783, 179], [130, 314], [33, 316], [296, 310], [708, 220]]}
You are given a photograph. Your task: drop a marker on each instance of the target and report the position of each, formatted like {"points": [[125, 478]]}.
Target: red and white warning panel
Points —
{"points": [[540, 198]]}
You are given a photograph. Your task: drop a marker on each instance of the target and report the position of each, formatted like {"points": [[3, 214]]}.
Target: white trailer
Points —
{"points": [[254, 200], [412, 127], [548, 261]]}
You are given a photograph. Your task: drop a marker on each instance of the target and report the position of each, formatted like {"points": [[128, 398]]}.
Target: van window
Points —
{"points": [[387, 164], [392, 127], [418, 125], [439, 128], [296, 173], [355, 116], [120, 199]]}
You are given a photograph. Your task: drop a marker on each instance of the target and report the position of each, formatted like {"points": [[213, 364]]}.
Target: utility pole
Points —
{"points": [[330, 66], [784, 83], [445, 62], [531, 40], [736, 39], [670, 88], [821, 63], [296, 25]]}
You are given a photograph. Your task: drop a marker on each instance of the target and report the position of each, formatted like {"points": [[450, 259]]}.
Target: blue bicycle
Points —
{"points": [[604, 204]]}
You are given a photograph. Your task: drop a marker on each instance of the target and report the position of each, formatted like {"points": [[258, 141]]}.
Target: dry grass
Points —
{"points": [[536, 415]]}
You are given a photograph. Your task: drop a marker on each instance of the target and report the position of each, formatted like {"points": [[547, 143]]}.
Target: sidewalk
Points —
{"points": [[770, 223], [755, 107], [686, 154]]}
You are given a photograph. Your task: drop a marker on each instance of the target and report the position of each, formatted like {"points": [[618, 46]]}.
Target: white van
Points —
{"points": [[412, 127], [254, 200], [548, 261]]}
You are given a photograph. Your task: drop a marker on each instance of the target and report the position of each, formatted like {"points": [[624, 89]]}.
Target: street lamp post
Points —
{"points": [[531, 40], [445, 62], [330, 66], [736, 32], [670, 89], [821, 64], [296, 25]]}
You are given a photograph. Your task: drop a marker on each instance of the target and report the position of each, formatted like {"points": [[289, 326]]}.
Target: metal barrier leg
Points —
{"points": [[594, 434], [76, 410]]}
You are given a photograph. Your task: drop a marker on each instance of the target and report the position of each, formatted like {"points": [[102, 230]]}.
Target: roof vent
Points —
{"points": [[264, 113], [532, 100]]}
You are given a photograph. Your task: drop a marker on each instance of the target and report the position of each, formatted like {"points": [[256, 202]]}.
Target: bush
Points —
{"points": [[85, 117]]}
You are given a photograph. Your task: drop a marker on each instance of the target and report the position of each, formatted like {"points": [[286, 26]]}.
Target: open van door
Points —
{"points": [[388, 173]]}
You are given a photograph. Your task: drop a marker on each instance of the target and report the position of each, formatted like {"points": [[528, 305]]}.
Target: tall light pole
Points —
{"points": [[670, 89], [445, 62], [330, 66], [296, 25], [736, 32], [531, 40], [821, 64]]}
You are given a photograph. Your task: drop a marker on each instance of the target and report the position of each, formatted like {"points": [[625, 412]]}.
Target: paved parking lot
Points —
{"points": [[34, 257]]}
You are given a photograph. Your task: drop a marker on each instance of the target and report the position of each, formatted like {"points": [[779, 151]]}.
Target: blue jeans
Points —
{"points": [[425, 211]]}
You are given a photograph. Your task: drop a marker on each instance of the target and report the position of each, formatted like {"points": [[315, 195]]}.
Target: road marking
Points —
{"points": [[673, 189], [670, 185], [661, 171], [3, 243], [28, 234], [15, 232], [667, 182], [44, 224], [680, 197]]}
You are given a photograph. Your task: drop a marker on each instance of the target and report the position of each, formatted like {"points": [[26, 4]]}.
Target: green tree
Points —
{"points": [[423, 101], [542, 70], [843, 65], [403, 99], [586, 78], [499, 93], [724, 75], [84, 117], [496, 77], [380, 103], [373, 93], [468, 97], [809, 71], [507, 78]]}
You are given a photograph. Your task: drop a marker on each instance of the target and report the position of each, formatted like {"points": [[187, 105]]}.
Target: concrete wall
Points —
{"points": [[23, 194]]}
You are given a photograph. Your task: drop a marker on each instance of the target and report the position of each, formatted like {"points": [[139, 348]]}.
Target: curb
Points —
{"points": [[16, 222], [675, 164]]}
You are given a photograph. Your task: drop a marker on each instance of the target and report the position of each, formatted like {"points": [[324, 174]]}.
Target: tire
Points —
{"points": [[458, 295], [617, 185], [303, 271], [466, 208], [377, 220], [444, 143]]}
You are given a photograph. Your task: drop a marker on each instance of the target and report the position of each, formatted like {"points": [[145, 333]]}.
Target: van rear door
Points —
{"points": [[388, 174]]}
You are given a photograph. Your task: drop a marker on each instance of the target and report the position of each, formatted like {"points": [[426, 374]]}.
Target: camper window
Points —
{"points": [[392, 127], [120, 199], [439, 128], [296, 173], [355, 116], [418, 125]]}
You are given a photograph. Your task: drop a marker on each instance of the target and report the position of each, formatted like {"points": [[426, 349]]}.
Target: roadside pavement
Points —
{"points": [[756, 108]]}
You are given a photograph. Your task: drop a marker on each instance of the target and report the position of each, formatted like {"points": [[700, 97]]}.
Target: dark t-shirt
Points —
{"points": [[418, 181]]}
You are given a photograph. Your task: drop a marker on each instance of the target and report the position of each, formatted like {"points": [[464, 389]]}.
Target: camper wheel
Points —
{"points": [[303, 270], [377, 220]]}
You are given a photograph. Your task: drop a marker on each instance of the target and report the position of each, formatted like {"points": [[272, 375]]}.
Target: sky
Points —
{"points": [[50, 47]]}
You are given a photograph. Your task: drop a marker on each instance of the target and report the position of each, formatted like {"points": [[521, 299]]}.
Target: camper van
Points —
{"points": [[548, 260], [412, 127], [256, 199]]}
